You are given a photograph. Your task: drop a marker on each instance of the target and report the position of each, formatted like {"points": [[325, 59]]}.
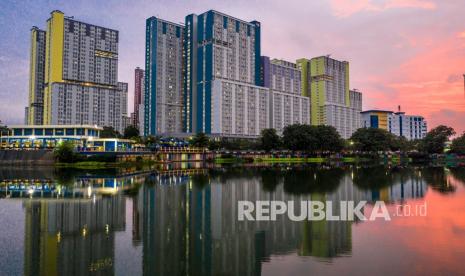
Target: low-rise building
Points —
{"points": [[409, 126], [85, 138]]}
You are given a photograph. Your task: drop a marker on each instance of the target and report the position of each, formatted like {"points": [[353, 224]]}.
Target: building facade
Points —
{"points": [[287, 104], [138, 93], [35, 108], [88, 105], [238, 109], [79, 84], [377, 119], [354, 118], [409, 126], [163, 77], [221, 52], [327, 82]]}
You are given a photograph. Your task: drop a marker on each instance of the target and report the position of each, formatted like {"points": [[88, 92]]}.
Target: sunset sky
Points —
{"points": [[401, 52]]}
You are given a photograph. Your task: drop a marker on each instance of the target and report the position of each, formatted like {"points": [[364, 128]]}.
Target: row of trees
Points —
{"points": [[314, 139], [326, 138], [303, 138], [130, 132]]}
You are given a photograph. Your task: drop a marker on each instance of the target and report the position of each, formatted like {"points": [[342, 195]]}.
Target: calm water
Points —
{"points": [[176, 221]]}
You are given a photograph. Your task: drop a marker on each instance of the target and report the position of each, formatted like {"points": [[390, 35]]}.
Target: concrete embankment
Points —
{"points": [[25, 157]]}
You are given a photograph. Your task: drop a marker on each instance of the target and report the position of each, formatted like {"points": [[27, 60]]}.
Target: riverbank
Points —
{"points": [[128, 159]]}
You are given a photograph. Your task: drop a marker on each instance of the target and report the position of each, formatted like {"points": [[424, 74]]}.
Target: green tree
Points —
{"points": [[300, 137], [214, 145], [200, 140], [328, 139], [435, 139], [65, 152], [131, 132], [371, 139], [458, 145], [150, 140], [400, 143], [109, 132], [269, 139]]}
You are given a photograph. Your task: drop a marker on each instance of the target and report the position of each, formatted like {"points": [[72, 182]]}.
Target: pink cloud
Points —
{"points": [[345, 8]]}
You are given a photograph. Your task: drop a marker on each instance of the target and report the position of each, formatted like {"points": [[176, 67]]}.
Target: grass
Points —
{"points": [[85, 165], [228, 160], [291, 160]]}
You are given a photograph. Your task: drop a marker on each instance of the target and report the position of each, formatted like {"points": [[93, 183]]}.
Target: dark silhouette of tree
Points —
{"points": [[458, 145], [131, 132], [435, 139], [372, 139], [109, 132], [200, 140], [269, 139]]}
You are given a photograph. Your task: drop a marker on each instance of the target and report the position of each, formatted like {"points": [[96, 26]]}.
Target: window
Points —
{"points": [[18, 131], [39, 131], [48, 132], [59, 132], [28, 131], [70, 131]]}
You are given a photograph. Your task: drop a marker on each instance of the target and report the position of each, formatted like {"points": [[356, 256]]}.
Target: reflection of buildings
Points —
{"points": [[72, 237], [403, 187], [65, 185], [161, 225], [191, 226], [327, 239]]}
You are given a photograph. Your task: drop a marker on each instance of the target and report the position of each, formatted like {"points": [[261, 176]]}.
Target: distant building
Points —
{"points": [[223, 92], [79, 82], [132, 119], [287, 105], [409, 126], [126, 122], [163, 97], [139, 78], [354, 118]]}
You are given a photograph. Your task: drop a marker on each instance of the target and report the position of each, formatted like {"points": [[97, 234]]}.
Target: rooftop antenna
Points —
{"points": [[398, 108], [464, 85]]}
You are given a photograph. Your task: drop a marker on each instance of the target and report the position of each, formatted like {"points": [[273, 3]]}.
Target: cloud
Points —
{"points": [[346, 8], [454, 78]]}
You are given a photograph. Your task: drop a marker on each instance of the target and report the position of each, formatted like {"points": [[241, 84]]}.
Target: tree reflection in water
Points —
{"points": [[436, 178]]}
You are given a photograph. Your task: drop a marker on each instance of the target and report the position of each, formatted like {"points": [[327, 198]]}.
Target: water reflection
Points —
{"points": [[184, 220], [71, 237], [191, 227]]}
